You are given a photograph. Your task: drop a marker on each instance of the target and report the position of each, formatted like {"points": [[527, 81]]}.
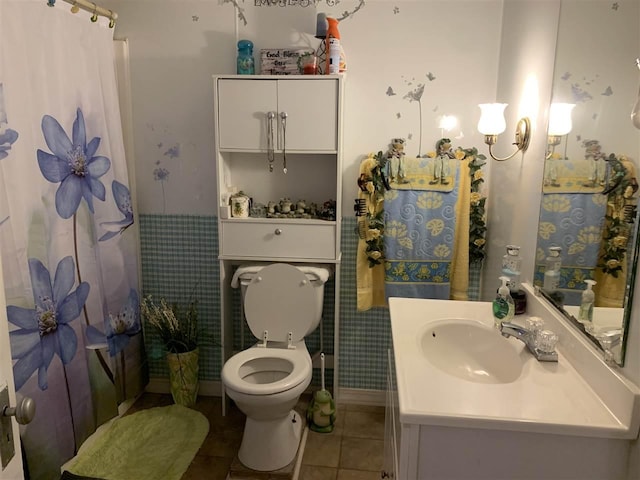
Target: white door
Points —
{"points": [[13, 471], [243, 109], [311, 107]]}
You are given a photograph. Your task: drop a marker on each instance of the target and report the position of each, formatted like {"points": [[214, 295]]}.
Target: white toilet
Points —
{"points": [[282, 305]]}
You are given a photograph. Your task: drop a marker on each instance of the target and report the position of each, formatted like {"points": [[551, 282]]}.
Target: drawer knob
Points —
{"points": [[278, 231]]}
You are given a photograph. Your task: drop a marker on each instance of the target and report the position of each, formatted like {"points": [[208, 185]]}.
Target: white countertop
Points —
{"points": [[546, 398]]}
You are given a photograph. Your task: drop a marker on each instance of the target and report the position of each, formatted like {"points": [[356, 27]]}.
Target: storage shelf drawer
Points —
{"points": [[278, 239]]}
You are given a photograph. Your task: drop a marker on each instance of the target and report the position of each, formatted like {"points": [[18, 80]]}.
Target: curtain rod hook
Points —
{"points": [[94, 17], [112, 21], [75, 8], [51, 3]]}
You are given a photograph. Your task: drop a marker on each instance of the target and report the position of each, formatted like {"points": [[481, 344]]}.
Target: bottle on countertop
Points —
{"points": [[245, 61], [511, 267], [336, 59], [552, 268], [585, 314], [503, 306]]}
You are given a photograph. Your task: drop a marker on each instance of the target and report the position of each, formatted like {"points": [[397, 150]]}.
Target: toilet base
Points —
{"points": [[269, 445]]}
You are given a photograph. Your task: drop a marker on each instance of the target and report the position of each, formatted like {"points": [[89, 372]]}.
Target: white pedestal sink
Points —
{"points": [[473, 404]]}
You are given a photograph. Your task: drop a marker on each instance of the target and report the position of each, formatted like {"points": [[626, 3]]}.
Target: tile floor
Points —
{"points": [[353, 451]]}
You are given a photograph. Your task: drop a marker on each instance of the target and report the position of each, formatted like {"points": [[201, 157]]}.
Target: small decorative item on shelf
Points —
{"points": [[240, 205], [258, 210], [285, 208], [309, 64], [245, 61], [328, 210], [282, 61], [178, 330], [285, 205]]}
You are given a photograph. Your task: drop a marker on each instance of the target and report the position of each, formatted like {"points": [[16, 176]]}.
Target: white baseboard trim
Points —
{"points": [[361, 396], [210, 388]]}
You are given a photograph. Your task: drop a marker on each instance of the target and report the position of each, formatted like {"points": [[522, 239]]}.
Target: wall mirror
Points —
{"points": [[588, 217]]}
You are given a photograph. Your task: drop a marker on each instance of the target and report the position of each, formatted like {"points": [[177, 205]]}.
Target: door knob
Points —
{"points": [[24, 411]]}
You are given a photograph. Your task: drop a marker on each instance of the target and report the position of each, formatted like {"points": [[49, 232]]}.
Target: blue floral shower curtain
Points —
{"points": [[70, 259]]}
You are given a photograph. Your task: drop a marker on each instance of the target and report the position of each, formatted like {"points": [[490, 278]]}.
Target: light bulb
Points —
{"points": [[492, 120], [560, 119]]}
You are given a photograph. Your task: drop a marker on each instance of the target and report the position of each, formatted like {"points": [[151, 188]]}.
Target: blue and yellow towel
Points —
{"points": [[424, 173], [420, 239], [573, 221]]}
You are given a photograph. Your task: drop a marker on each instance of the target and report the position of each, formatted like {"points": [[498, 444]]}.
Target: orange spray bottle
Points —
{"points": [[335, 55]]}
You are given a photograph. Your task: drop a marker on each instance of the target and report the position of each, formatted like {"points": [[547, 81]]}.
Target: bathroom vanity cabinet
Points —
{"points": [[278, 139], [574, 419]]}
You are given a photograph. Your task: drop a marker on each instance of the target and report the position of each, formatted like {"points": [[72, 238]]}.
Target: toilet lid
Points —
{"points": [[280, 299]]}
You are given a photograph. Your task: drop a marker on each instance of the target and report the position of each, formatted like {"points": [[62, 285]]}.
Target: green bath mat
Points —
{"points": [[158, 443]]}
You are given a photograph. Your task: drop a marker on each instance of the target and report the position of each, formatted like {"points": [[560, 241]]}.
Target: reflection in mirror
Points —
{"points": [[587, 236]]}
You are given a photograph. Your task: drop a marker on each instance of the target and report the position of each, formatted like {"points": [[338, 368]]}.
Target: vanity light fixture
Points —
{"points": [[559, 125], [560, 119], [492, 124]]}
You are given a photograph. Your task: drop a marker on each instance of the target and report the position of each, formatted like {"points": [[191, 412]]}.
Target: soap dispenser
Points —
{"points": [[503, 306], [585, 314]]}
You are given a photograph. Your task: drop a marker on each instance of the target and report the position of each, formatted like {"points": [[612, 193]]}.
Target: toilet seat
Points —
{"points": [[255, 360], [280, 300]]}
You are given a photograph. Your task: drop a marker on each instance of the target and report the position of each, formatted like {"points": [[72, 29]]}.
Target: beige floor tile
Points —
{"points": [[338, 426], [150, 400], [331, 456], [357, 475], [322, 449], [238, 471], [233, 420], [366, 408], [364, 424], [221, 443], [211, 468], [361, 454], [311, 472]]}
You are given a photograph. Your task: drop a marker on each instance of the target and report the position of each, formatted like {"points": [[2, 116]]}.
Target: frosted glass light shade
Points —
{"points": [[560, 118], [492, 120]]}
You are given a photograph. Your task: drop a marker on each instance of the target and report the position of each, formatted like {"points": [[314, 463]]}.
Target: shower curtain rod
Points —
{"points": [[90, 7]]}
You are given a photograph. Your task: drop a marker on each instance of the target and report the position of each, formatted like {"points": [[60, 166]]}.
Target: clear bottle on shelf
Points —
{"points": [[552, 269], [585, 314], [512, 266]]}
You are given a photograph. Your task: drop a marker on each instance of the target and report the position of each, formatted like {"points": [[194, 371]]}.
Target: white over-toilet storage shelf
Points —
{"points": [[277, 137]]}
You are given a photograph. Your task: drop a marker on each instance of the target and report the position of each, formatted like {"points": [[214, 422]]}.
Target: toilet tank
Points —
{"points": [[317, 275]]}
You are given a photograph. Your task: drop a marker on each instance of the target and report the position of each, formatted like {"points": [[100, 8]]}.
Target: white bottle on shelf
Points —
{"points": [[585, 314], [553, 265]]}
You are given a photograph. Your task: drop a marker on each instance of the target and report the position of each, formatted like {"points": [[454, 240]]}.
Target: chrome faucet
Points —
{"points": [[508, 329], [608, 340]]}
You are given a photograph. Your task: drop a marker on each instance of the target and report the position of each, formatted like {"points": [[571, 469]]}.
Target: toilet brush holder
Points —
{"points": [[321, 413]]}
